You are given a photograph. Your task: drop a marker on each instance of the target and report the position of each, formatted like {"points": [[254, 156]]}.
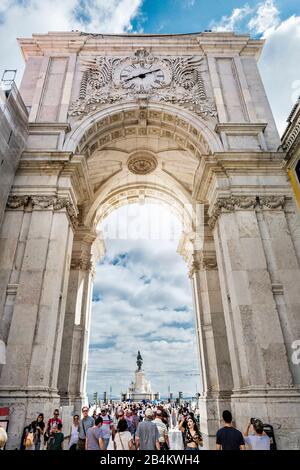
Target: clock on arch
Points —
{"points": [[143, 76]]}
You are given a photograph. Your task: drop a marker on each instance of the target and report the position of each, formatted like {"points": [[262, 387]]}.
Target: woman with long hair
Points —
{"points": [[74, 433], [192, 435], [39, 431]]}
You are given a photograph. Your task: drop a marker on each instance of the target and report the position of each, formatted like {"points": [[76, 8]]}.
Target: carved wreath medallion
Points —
{"points": [[142, 164]]}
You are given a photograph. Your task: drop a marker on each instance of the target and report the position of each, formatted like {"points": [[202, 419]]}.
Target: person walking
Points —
{"points": [[259, 440], [108, 428], [147, 435], [74, 433], [86, 422], [94, 436], [163, 431], [229, 438], [123, 438]]}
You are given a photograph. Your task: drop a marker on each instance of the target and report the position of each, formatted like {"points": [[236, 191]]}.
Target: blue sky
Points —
{"points": [[188, 16], [152, 269]]}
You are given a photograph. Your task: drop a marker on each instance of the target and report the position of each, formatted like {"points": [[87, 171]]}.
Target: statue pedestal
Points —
{"points": [[140, 389]]}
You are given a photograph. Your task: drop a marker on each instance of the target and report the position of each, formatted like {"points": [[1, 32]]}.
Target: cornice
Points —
{"points": [[229, 43], [221, 164], [251, 161], [76, 41], [49, 126], [44, 155], [241, 128]]}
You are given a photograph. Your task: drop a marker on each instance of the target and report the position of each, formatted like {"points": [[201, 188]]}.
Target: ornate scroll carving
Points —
{"points": [[62, 203], [244, 202], [82, 264], [209, 264], [226, 203], [44, 202], [194, 267], [202, 261], [271, 202], [14, 202], [181, 81]]}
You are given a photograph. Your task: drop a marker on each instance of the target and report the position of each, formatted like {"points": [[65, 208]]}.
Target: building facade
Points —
{"points": [[291, 145], [179, 119]]}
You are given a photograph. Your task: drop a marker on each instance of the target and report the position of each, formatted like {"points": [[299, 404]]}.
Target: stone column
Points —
{"points": [[211, 335], [34, 310], [74, 357], [214, 353], [259, 297]]}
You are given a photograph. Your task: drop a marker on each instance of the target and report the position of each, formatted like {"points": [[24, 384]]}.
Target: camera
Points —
{"points": [[252, 420]]}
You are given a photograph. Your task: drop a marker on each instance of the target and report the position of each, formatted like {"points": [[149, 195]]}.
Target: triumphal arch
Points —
{"points": [[182, 120]]}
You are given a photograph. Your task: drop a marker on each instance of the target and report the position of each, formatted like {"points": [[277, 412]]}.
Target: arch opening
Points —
{"points": [[149, 308]]}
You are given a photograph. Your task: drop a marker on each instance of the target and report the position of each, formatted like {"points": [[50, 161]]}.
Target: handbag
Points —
{"points": [[28, 442]]}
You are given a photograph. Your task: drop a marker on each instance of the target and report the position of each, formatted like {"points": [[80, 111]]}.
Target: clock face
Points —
{"points": [[143, 78]]}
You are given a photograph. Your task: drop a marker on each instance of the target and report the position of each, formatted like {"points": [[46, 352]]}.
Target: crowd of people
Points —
{"points": [[141, 426]]}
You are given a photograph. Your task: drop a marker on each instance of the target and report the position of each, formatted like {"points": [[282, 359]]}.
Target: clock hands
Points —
{"points": [[141, 75]]}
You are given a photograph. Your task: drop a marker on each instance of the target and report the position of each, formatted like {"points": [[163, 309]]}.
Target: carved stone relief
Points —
{"points": [[142, 164], [42, 203], [232, 203], [141, 77]]}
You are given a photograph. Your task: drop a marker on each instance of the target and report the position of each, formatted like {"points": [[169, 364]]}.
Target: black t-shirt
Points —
{"points": [[230, 438]]}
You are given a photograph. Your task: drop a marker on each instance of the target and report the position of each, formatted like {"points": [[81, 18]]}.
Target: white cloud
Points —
{"points": [[279, 68], [280, 54], [265, 19], [21, 19], [229, 23]]}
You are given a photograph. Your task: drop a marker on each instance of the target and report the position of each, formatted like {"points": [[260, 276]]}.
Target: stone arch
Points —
{"points": [[191, 132], [111, 196], [144, 192]]}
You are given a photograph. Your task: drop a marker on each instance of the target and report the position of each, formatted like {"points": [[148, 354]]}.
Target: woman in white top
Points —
{"points": [[123, 438], [259, 440], [74, 433]]}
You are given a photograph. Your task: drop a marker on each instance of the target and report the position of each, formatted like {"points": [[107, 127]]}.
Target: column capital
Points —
{"points": [[204, 260], [82, 264], [244, 202], [42, 202]]}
